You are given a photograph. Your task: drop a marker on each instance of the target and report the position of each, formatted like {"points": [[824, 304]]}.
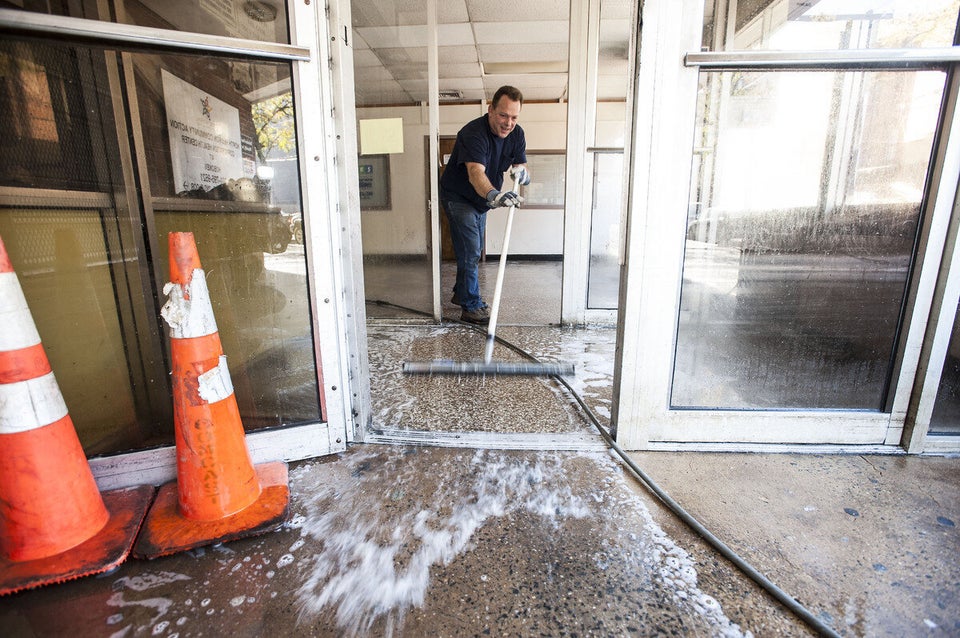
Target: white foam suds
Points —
{"points": [[374, 560], [149, 580]]}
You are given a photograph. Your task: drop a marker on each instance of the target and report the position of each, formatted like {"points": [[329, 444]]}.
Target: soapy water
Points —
{"points": [[397, 399], [373, 546], [376, 561]]}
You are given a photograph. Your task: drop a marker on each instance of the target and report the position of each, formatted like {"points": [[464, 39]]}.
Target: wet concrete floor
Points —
{"points": [[411, 541]]}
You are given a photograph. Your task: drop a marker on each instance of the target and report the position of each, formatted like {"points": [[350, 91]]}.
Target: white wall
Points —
{"points": [[404, 229]]}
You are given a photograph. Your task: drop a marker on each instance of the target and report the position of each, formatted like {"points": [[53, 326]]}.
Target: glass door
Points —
{"points": [[810, 201], [106, 152], [390, 71]]}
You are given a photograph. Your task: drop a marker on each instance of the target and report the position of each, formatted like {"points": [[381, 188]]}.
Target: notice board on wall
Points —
{"points": [[374, 177]]}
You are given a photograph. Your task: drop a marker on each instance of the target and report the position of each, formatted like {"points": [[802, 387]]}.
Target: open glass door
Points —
{"points": [[803, 226], [390, 72]]}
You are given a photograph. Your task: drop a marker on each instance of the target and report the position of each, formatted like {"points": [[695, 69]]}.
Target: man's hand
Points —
{"points": [[496, 199], [520, 173]]}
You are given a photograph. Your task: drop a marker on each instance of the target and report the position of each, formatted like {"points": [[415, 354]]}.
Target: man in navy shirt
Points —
{"points": [[471, 185]]}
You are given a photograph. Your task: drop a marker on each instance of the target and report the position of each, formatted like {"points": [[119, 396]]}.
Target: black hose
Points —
{"points": [[751, 572]]}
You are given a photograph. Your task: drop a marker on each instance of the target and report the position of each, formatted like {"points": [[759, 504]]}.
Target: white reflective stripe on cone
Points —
{"points": [[215, 384], [189, 312], [28, 405], [19, 331]]}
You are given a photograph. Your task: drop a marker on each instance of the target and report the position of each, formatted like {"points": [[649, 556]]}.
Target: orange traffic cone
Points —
{"points": [[54, 523], [218, 495]]}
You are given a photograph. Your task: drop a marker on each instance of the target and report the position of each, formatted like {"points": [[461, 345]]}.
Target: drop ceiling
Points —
{"points": [[483, 44]]}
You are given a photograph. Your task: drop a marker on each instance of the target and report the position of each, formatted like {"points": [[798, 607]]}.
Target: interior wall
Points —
{"points": [[403, 229]]}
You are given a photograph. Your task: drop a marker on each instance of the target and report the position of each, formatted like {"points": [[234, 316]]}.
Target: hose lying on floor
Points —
{"points": [[781, 596]]}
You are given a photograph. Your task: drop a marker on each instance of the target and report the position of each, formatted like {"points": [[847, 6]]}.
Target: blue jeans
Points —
{"points": [[468, 228]]}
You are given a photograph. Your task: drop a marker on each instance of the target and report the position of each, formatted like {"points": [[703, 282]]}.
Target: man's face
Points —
{"points": [[503, 116]]}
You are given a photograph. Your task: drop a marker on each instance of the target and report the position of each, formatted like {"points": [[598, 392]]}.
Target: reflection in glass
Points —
{"points": [[263, 20], [829, 24], [67, 235], [946, 408], [223, 165], [604, 276], [391, 82], [801, 226], [216, 160]]}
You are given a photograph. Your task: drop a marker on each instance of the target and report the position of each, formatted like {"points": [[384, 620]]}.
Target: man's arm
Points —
{"points": [[477, 175]]}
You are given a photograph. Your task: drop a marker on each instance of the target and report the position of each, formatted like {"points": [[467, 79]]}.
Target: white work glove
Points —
{"points": [[496, 199], [521, 174]]}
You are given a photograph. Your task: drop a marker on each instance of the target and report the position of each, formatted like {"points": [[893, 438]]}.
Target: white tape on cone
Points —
{"points": [[28, 405], [188, 311], [19, 330], [215, 384]]}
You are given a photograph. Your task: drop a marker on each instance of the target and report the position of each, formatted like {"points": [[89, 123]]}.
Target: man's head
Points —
{"points": [[504, 110]]}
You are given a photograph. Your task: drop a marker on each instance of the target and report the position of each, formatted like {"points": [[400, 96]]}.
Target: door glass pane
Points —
{"points": [[92, 262], [222, 163], [390, 74], [64, 223], [263, 20], [613, 80], [801, 226], [946, 408], [830, 24], [604, 277]]}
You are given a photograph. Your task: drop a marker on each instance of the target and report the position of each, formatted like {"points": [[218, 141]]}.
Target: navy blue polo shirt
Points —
{"points": [[477, 143]]}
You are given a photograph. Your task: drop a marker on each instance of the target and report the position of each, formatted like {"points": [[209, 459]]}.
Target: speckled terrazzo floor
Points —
{"points": [[491, 403]]}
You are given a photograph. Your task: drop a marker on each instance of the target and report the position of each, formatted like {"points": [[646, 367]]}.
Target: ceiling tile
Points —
{"points": [[372, 75], [548, 52], [416, 88], [388, 12], [401, 73], [365, 57], [452, 11], [512, 33], [507, 10], [473, 82], [404, 56], [454, 34], [396, 37], [457, 55], [459, 70]]}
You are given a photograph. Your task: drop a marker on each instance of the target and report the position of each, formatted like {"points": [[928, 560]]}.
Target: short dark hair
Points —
{"points": [[511, 92]]}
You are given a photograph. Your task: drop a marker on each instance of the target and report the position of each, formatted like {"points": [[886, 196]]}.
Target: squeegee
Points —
{"points": [[487, 365]]}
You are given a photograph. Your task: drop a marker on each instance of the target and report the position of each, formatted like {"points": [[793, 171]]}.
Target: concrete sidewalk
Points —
{"points": [[414, 541]]}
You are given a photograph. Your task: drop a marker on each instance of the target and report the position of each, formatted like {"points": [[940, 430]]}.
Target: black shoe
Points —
{"points": [[455, 300], [479, 316]]}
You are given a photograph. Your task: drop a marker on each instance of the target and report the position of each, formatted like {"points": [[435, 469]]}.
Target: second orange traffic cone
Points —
{"points": [[219, 495]]}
